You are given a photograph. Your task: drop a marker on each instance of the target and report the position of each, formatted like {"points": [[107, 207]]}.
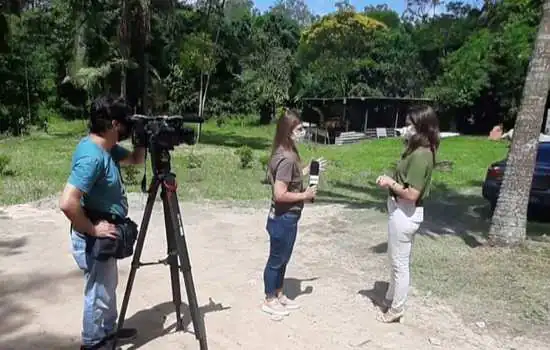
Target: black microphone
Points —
{"points": [[313, 174]]}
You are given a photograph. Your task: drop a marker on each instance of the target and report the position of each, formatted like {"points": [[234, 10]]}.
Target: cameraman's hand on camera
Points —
{"points": [[310, 192], [104, 229]]}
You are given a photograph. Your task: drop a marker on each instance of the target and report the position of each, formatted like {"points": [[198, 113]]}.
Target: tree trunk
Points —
{"points": [[146, 106], [124, 49], [508, 227]]}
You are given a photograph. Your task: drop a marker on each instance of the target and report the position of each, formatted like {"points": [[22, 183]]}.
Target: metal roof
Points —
{"points": [[367, 98]]}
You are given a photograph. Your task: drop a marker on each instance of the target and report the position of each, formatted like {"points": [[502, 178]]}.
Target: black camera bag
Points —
{"points": [[104, 248]]}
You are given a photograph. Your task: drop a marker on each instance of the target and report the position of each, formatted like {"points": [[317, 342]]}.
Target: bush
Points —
{"points": [[264, 160], [130, 174], [4, 161], [194, 161], [245, 155]]}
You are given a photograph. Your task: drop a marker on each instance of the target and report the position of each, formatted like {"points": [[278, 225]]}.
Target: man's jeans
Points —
{"points": [[101, 278], [282, 235], [404, 221]]}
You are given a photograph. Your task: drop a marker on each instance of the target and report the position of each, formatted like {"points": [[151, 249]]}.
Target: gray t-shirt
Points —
{"points": [[285, 166]]}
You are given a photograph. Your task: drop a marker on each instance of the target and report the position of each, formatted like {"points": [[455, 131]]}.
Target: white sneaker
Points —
{"points": [[274, 307], [287, 303]]}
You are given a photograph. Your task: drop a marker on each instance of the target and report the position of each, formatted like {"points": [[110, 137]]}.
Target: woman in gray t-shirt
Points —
{"points": [[287, 201]]}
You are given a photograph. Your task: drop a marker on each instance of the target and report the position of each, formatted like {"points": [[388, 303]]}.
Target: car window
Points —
{"points": [[543, 153]]}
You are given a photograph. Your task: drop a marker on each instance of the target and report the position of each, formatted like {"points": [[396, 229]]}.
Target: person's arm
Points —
{"points": [[283, 176], [408, 193], [69, 203], [415, 179], [84, 173], [125, 157], [416, 176], [282, 195]]}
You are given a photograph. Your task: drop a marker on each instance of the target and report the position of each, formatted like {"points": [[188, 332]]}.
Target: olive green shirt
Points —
{"points": [[415, 170]]}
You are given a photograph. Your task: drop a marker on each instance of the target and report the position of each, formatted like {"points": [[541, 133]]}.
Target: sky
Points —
{"points": [[321, 7]]}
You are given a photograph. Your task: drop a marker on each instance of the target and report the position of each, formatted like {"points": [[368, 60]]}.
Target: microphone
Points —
{"points": [[313, 174]]}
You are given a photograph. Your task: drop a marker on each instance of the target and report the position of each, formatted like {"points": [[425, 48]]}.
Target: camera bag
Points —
{"points": [[104, 248]]}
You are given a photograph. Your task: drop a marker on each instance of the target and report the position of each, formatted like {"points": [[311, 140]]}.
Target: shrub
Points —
{"points": [[130, 174], [245, 156], [4, 161], [264, 159], [194, 161], [220, 121]]}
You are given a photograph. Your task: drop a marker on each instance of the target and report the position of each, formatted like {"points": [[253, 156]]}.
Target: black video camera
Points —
{"points": [[163, 132]]}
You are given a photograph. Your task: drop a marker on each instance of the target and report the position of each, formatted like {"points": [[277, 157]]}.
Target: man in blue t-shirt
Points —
{"points": [[95, 183]]}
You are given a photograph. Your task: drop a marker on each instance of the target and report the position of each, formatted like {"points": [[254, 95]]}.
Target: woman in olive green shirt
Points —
{"points": [[408, 188]]}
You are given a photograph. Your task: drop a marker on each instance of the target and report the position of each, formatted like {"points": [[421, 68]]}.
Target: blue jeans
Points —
{"points": [[101, 278], [282, 235]]}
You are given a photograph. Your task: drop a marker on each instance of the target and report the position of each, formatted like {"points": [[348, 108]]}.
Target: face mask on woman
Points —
{"points": [[298, 134], [408, 132]]}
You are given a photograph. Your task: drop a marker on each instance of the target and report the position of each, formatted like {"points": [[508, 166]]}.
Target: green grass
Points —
{"points": [[505, 288], [40, 164]]}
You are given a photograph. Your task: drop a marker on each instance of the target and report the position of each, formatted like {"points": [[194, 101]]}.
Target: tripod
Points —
{"points": [[177, 248]]}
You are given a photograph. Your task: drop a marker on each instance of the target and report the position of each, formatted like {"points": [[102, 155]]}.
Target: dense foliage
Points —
{"points": [[224, 58]]}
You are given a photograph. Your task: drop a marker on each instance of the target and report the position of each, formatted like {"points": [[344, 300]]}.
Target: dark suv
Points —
{"points": [[539, 198]]}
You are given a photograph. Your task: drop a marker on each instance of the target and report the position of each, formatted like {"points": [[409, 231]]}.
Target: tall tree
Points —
{"points": [[7, 7], [509, 221], [296, 10]]}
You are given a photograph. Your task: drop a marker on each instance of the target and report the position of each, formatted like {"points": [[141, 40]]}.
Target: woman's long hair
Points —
{"points": [[283, 134], [425, 122]]}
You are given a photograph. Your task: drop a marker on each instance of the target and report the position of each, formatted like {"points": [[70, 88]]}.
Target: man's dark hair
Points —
{"points": [[104, 110]]}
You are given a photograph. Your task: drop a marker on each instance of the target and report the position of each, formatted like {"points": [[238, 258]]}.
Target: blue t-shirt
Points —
{"points": [[96, 172]]}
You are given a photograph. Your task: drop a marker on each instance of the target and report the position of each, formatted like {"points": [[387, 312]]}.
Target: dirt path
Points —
{"points": [[331, 274]]}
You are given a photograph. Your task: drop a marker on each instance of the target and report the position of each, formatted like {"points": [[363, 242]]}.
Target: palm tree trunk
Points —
{"points": [[509, 222]]}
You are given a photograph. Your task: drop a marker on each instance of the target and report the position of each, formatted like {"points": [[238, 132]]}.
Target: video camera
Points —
{"points": [[162, 132]]}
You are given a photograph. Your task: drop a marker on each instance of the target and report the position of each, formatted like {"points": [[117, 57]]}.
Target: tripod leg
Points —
{"points": [[137, 254], [179, 236], [172, 260]]}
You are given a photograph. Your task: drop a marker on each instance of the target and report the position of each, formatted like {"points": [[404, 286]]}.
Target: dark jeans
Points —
{"points": [[282, 231]]}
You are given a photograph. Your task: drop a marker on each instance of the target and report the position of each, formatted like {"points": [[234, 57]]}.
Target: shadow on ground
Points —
{"points": [[12, 246], [42, 341], [150, 322], [448, 212], [233, 139], [293, 287], [15, 291], [376, 294]]}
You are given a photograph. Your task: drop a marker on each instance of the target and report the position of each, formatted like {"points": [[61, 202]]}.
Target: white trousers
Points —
{"points": [[404, 221]]}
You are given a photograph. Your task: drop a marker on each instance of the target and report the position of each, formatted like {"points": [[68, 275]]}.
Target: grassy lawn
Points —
{"points": [[40, 164], [485, 284], [505, 288]]}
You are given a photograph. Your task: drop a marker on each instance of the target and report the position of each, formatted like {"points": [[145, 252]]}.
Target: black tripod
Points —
{"points": [[177, 247]]}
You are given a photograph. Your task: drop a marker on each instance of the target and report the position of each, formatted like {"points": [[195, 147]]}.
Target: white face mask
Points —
{"points": [[298, 134], [408, 132]]}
